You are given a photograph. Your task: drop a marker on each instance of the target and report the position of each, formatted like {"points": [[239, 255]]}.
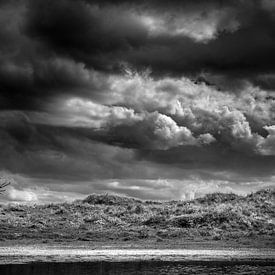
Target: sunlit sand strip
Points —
{"points": [[20, 254]]}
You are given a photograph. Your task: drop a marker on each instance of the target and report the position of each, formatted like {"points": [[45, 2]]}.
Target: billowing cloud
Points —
{"points": [[158, 131]]}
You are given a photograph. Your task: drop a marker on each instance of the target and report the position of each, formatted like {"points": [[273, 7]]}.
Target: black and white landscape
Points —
{"points": [[163, 111]]}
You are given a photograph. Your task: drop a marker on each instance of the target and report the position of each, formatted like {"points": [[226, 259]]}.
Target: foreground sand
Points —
{"points": [[82, 253]]}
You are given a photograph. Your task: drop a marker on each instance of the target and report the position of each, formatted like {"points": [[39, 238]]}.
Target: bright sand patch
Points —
{"points": [[22, 254]]}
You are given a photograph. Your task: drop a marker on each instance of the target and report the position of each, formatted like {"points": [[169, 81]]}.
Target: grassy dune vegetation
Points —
{"points": [[108, 218]]}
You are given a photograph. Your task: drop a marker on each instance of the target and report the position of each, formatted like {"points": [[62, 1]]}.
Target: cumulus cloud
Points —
{"points": [[145, 129], [158, 131], [169, 112], [40, 195], [21, 195]]}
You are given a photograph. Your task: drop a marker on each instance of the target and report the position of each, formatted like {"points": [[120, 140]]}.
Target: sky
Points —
{"points": [[150, 99]]}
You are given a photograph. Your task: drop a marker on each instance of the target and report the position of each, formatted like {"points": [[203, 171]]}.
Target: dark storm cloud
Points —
{"points": [[213, 158], [47, 46], [56, 152], [137, 90], [227, 37], [32, 74]]}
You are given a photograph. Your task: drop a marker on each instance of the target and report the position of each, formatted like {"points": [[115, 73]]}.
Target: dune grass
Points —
{"points": [[223, 217]]}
